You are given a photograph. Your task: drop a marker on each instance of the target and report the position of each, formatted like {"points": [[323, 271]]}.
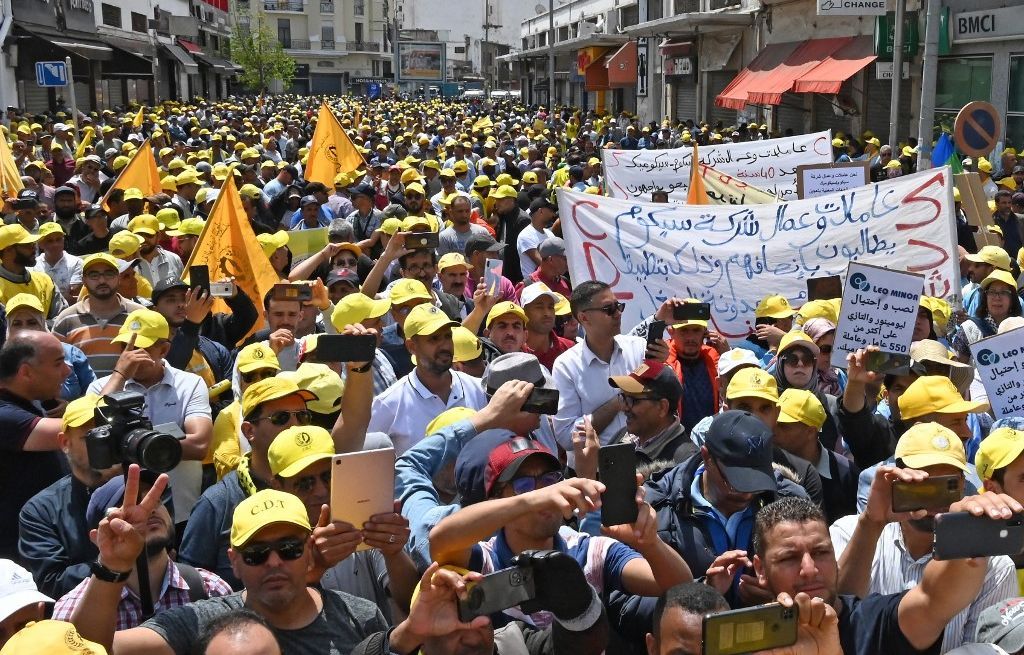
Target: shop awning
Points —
{"points": [[136, 47], [178, 54], [190, 47], [841, 65], [76, 43], [222, 66], [812, 66], [676, 48], [622, 66]]}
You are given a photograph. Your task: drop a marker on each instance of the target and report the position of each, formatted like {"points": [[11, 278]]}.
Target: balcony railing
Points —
{"points": [[284, 5], [295, 44], [362, 46], [326, 6], [327, 44]]}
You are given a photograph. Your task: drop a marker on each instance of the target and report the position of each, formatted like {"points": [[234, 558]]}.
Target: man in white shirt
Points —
{"points": [[155, 263], [881, 551], [63, 268], [407, 407], [542, 215]]}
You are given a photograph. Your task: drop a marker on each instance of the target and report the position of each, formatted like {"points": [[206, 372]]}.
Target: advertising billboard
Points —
{"points": [[421, 62]]}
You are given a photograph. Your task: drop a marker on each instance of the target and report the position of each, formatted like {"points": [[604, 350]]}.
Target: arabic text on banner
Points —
{"points": [[822, 181], [879, 309], [769, 165], [732, 256], [1000, 363]]}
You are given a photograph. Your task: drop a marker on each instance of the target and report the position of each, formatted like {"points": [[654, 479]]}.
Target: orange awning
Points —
{"points": [[596, 76], [841, 65], [734, 95], [622, 66]]}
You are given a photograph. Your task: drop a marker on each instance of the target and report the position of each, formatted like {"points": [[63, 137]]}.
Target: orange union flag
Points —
{"points": [[229, 248], [140, 173], [331, 151]]}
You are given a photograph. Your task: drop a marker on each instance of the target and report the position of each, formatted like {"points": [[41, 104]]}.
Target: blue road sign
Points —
{"points": [[51, 73]]}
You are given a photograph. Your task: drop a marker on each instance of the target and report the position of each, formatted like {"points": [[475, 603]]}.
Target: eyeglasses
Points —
{"points": [[96, 276], [307, 483], [825, 350], [287, 549], [257, 375], [527, 483], [413, 196], [1001, 293], [302, 417], [345, 262], [610, 310], [797, 360], [419, 268], [629, 401]]}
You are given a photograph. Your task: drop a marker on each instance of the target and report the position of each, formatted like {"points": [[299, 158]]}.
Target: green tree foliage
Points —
{"points": [[260, 55]]}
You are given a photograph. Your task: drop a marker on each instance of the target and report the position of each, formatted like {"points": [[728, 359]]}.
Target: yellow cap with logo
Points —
{"points": [[408, 289], [273, 388], [146, 325], [753, 383], [321, 380], [452, 260], [46, 229], [935, 394], [801, 406], [24, 301], [80, 411], [998, 450], [15, 235], [774, 307], [297, 447], [356, 308], [256, 356], [425, 320], [505, 307], [931, 444], [124, 244], [53, 638], [144, 224], [265, 508]]}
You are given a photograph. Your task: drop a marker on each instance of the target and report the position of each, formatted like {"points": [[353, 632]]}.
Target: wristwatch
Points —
{"points": [[107, 575]]}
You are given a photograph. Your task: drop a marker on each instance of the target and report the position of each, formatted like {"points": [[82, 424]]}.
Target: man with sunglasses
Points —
{"points": [[651, 395], [270, 539], [300, 459], [170, 584], [525, 503]]}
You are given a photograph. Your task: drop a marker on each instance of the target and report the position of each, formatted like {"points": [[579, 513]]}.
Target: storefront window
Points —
{"points": [[1015, 103], [962, 80]]}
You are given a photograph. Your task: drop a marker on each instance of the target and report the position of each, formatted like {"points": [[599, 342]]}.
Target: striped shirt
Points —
{"points": [[77, 326], [895, 570]]}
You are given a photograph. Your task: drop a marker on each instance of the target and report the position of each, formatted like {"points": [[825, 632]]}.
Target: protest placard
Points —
{"points": [[879, 309], [813, 180], [306, 243], [724, 189], [769, 165], [732, 256], [1000, 362]]}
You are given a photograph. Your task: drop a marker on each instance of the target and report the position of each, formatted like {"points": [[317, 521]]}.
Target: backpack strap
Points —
{"points": [[196, 588]]}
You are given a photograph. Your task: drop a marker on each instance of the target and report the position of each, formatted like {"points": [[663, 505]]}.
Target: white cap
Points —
{"points": [[534, 291], [734, 358], [59, 127], [17, 589]]}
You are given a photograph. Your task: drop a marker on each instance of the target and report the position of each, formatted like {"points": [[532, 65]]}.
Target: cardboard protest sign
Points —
{"points": [[769, 165], [732, 256], [879, 309], [813, 180], [724, 189], [306, 243], [1000, 363]]}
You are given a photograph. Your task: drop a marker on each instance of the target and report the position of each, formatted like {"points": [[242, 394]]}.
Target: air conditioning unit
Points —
{"points": [[587, 29]]}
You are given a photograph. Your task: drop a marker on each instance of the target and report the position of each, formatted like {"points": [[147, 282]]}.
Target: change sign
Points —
{"points": [[879, 309], [1000, 362]]}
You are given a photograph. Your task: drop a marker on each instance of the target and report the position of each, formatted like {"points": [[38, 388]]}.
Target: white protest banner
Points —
{"points": [[724, 189], [770, 165], [1000, 363], [815, 180], [879, 309], [732, 256]]}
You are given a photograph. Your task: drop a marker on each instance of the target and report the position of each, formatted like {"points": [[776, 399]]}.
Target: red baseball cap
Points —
{"points": [[505, 459]]}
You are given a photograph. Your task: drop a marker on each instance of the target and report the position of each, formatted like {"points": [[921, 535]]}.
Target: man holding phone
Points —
{"points": [[884, 552], [696, 365]]}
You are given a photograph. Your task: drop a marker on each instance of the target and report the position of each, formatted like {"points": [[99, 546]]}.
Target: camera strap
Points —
{"points": [[192, 577]]}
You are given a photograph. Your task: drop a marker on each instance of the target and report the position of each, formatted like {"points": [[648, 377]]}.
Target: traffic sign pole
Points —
{"points": [[71, 95]]}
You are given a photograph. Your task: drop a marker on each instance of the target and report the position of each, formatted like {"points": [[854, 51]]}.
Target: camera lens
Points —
{"points": [[152, 450]]}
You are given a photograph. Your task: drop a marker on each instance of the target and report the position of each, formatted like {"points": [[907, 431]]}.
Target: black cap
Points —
{"points": [[542, 203], [92, 211], [483, 242], [30, 194], [741, 445], [651, 379], [165, 285], [309, 200], [362, 190], [341, 275]]}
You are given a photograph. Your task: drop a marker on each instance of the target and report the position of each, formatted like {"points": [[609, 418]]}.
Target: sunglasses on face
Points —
{"points": [[610, 310], [257, 375], [797, 360], [307, 483], [527, 483], [288, 550], [302, 417], [345, 262]]}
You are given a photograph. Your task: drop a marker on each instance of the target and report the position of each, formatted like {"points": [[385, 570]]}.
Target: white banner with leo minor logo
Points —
{"points": [[769, 165], [1000, 362], [732, 256]]}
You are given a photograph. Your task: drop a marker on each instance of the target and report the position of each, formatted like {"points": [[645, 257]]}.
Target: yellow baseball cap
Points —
{"points": [[998, 450], [24, 300], [930, 444], [133, 193], [460, 166], [15, 235], [322, 381], [168, 183], [144, 224], [505, 307], [817, 309], [753, 383], [256, 356], [189, 226], [46, 229], [448, 417], [999, 276], [273, 388], [992, 255], [801, 406], [416, 224], [148, 327], [168, 217], [797, 338], [187, 177], [529, 177], [680, 324], [562, 305], [774, 307], [356, 308], [467, 345], [250, 191], [53, 638], [505, 191], [481, 182], [391, 226], [80, 411], [410, 175], [984, 165], [931, 394], [264, 508], [415, 187], [297, 447], [425, 320], [452, 260], [408, 289], [124, 244], [271, 242], [100, 258]]}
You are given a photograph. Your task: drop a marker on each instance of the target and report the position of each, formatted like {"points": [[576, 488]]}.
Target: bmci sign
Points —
{"points": [[987, 25]]}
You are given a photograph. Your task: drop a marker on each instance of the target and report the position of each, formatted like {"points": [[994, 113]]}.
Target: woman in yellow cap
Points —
{"points": [[999, 301]]}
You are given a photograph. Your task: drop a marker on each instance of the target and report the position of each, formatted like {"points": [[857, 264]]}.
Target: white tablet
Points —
{"points": [[362, 484]]}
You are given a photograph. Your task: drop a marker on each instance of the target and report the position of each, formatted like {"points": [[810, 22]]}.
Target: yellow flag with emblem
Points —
{"points": [[331, 151], [482, 124], [10, 178], [86, 142], [141, 173], [228, 247], [137, 121]]}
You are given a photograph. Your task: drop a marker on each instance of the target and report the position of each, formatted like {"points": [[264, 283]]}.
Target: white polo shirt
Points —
{"points": [[178, 396], [407, 407], [582, 381]]}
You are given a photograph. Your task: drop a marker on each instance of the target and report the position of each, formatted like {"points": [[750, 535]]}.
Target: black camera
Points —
{"points": [[123, 435]]}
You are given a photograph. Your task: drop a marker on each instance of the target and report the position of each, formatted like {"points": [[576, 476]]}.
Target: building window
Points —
{"points": [[1015, 104], [359, 35], [358, 7], [327, 37], [326, 6], [111, 15], [284, 32], [960, 80], [460, 49], [139, 22]]}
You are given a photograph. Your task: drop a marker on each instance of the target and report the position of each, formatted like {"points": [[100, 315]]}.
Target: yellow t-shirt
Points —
{"points": [[225, 451], [39, 285]]}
